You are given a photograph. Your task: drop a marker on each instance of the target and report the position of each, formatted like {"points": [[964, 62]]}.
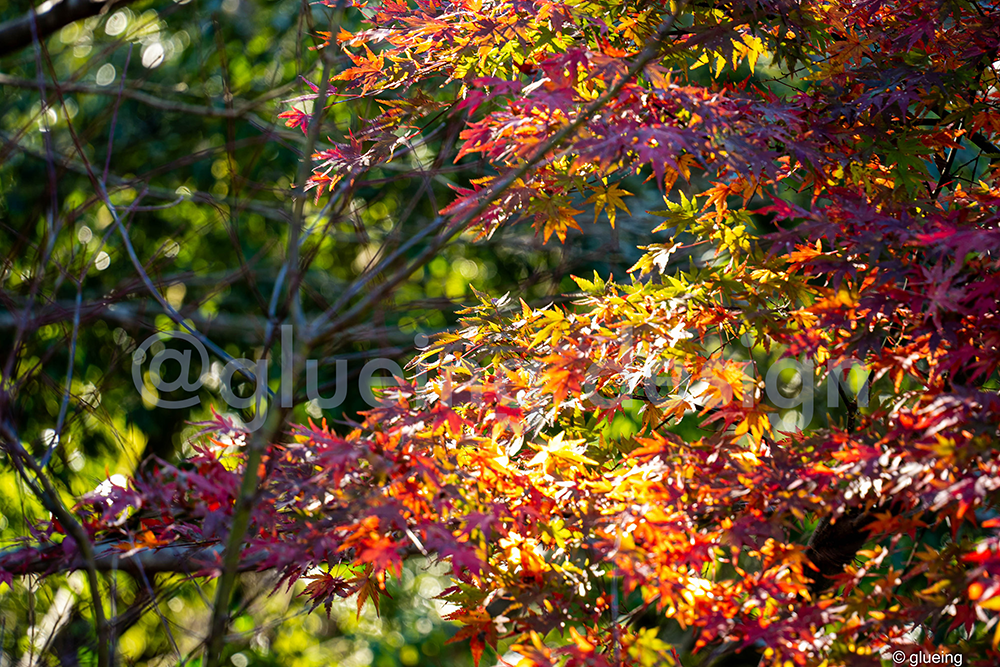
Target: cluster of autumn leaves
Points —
{"points": [[889, 258], [559, 536]]}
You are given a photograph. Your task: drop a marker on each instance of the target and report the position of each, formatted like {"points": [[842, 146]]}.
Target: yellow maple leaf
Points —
{"points": [[755, 422], [556, 220], [608, 199], [561, 449]]}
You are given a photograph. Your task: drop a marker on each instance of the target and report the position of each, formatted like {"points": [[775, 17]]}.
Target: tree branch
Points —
{"points": [[173, 106], [50, 16], [179, 559]]}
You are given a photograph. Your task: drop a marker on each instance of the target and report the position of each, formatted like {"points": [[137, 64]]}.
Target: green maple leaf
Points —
{"points": [[909, 163]]}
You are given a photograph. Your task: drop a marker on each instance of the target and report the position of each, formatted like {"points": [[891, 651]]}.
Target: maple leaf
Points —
{"points": [[556, 220], [608, 198], [755, 422], [684, 164], [478, 628], [368, 588], [382, 553], [296, 118], [559, 450], [453, 422], [144, 540], [909, 165], [562, 375], [463, 553], [323, 587], [724, 383]]}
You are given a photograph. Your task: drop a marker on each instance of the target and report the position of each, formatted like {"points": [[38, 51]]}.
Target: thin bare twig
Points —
{"points": [[258, 441], [237, 110], [60, 422], [156, 608], [114, 115]]}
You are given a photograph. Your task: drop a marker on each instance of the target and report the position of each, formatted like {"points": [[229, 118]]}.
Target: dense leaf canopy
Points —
{"points": [[772, 437]]}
